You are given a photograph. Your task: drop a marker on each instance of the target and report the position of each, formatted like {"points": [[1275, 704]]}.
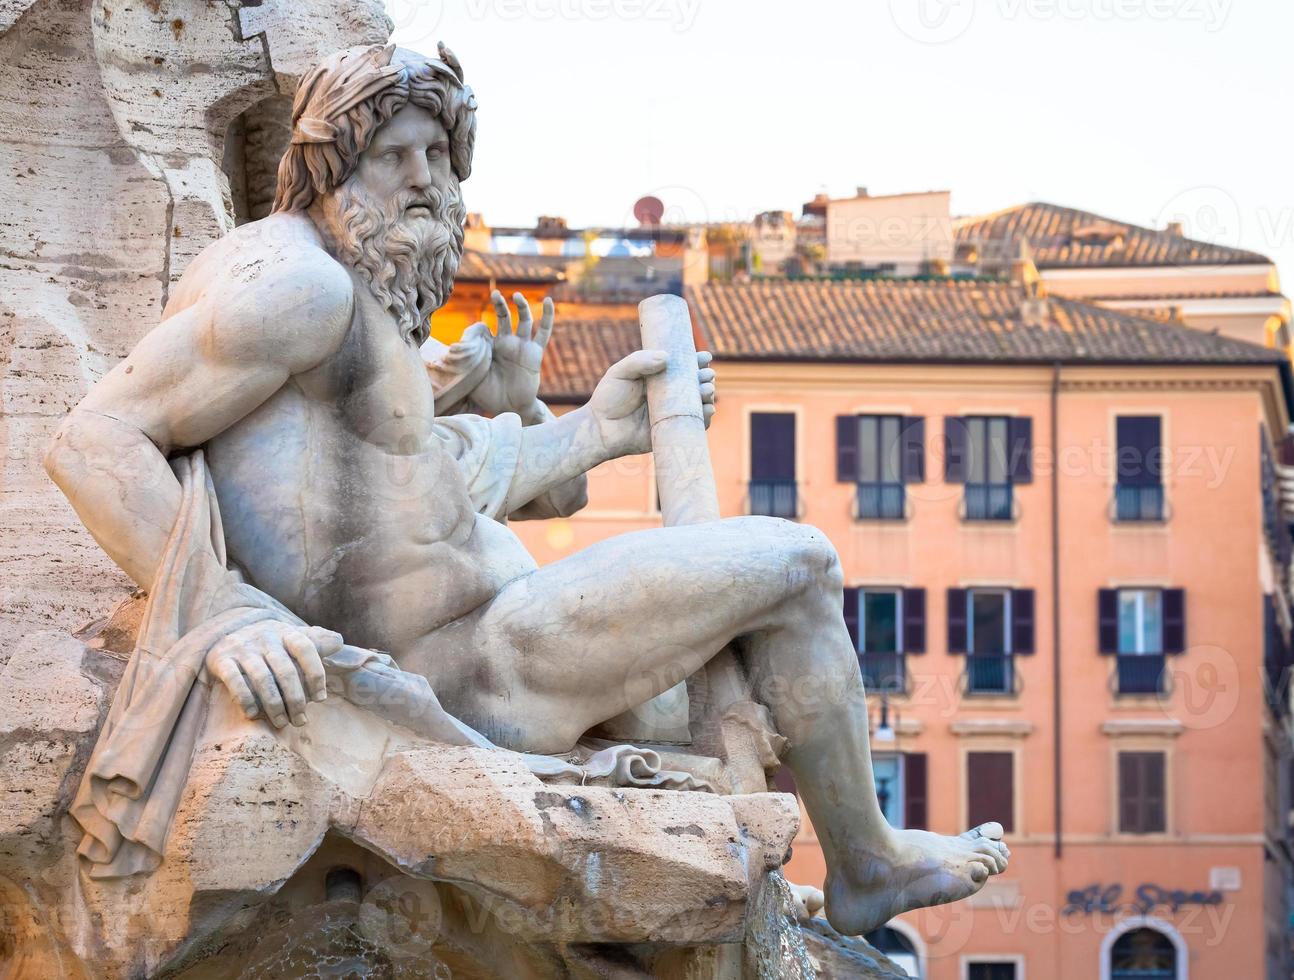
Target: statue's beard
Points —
{"points": [[408, 261]]}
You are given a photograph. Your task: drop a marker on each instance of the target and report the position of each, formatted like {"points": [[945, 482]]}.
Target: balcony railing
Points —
{"points": [[990, 673], [1141, 673], [883, 672], [988, 502], [1139, 503], [774, 498], [880, 501]]}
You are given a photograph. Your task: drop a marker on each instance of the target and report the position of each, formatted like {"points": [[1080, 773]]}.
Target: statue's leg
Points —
{"points": [[579, 641]]}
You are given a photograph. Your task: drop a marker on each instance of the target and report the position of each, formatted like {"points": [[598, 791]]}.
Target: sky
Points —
{"points": [[1142, 110]]}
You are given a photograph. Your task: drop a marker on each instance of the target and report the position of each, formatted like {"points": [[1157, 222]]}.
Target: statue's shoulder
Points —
{"points": [[278, 259]]}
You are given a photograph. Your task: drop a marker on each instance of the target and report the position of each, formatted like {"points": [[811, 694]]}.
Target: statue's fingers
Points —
{"points": [[705, 374], [707, 391], [289, 684], [708, 411], [545, 330], [525, 322], [226, 671], [326, 641], [308, 661], [501, 312], [262, 681], [639, 364], [703, 358]]}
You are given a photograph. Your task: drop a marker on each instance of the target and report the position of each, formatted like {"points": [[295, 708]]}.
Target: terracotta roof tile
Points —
{"points": [[581, 350], [487, 266], [907, 321], [1063, 237]]}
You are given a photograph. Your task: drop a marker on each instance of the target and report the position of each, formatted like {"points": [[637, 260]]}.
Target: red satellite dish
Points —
{"points": [[649, 210]]}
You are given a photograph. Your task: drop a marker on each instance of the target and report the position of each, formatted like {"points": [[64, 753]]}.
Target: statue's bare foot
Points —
{"points": [[912, 869]]}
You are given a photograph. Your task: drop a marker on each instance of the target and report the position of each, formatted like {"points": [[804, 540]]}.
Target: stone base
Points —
{"points": [[343, 843]]}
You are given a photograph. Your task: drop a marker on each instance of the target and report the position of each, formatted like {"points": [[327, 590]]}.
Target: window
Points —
{"points": [[990, 454], [1141, 626], [991, 971], [1142, 798], [898, 947], [1143, 954], [900, 780], [990, 789], [1139, 487], [885, 624], [990, 626], [880, 454], [772, 464]]}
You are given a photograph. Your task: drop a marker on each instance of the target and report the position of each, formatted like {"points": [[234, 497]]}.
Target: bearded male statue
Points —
{"points": [[289, 354]]}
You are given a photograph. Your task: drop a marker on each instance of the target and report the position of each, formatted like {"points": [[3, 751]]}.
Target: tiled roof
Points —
{"points": [[1067, 238], [943, 321], [581, 350], [488, 266]]}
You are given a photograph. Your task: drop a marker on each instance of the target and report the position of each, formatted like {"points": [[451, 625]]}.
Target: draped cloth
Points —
{"points": [[137, 772], [140, 764]]}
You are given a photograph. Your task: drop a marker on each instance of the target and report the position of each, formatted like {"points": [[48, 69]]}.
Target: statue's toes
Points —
{"points": [[991, 830]]}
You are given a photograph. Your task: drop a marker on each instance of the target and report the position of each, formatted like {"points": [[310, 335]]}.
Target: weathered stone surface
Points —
{"points": [[539, 864], [115, 120]]}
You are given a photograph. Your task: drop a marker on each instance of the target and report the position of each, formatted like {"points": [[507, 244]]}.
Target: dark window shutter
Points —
{"points": [[772, 446], [1139, 462], [1143, 801], [1021, 442], [914, 620], [1107, 620], [956, 620], [847, 448], [955, 447], [1174, 620], [914, 450], [916, 802], [990, 778], [851, 614], [1022, 621]]}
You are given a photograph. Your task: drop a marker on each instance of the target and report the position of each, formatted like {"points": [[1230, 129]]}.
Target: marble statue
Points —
{"points": [[314, 495]]}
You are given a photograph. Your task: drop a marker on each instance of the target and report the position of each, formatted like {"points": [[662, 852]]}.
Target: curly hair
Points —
{"points": [[312, 168]]}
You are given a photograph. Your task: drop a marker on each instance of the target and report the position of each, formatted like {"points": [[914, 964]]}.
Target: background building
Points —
{"points": [[1067, 573]]}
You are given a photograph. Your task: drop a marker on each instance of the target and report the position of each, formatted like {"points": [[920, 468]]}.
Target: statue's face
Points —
{"points": [[408, 157]]}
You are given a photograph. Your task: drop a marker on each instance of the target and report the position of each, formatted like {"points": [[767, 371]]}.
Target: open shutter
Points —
{"points": [[914, 450], [1022, 626], [1107, 620], [1154, 785], [1021, 442], [916, 802], [1174, 620], [851, 614], [956, 620], [847, 448], [914, 620], [955, 444]]}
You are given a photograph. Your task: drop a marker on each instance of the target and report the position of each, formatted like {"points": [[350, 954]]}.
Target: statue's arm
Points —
{"points": [[191, 377]]}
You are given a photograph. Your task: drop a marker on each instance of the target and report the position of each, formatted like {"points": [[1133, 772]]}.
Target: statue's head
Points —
{"points": [[381, 138]]}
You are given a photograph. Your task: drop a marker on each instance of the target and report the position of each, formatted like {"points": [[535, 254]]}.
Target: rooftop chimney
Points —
{"points": [[1175, 228], [1034, 311], [861, 192]]}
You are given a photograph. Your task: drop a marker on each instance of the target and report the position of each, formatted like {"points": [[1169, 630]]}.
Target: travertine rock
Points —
{"points": [[115, 122], [545, 864]]}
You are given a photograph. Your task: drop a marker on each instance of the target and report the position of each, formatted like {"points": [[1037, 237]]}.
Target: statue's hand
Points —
{"points": [[512, 383], [272, 668], [619, 403]]}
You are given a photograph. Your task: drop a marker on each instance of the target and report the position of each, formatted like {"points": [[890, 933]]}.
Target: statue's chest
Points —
{"points": [[379, 383]]}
